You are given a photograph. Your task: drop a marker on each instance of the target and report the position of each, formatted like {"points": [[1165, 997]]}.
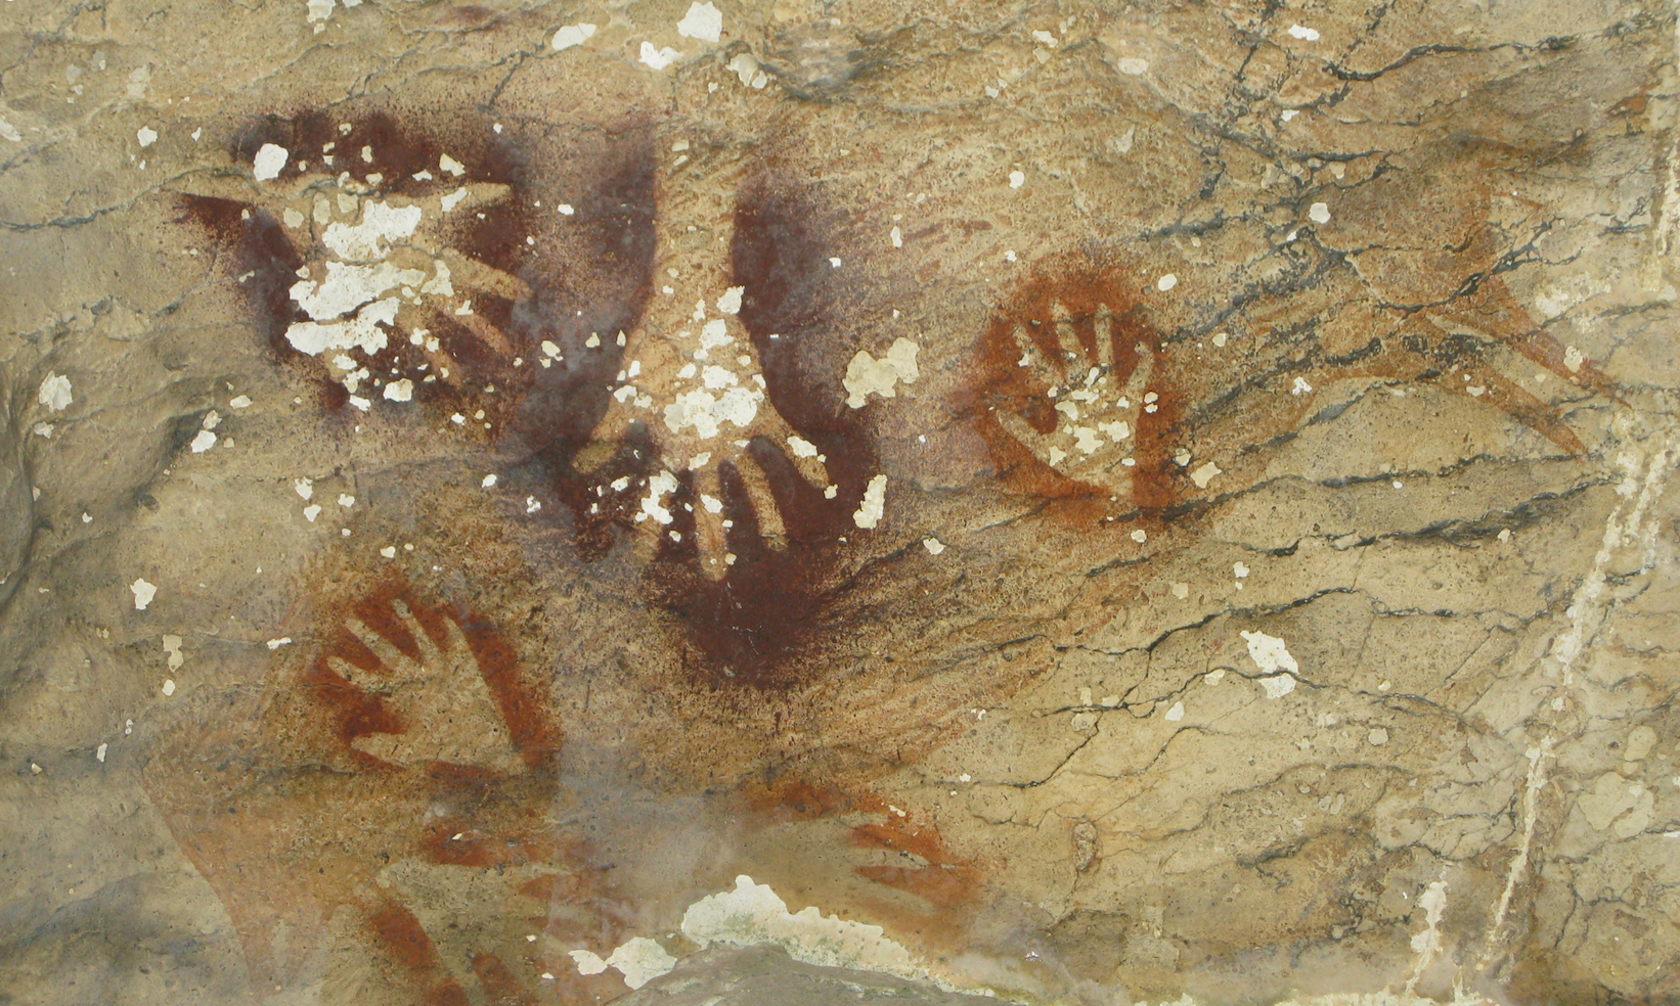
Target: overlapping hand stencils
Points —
{"points": [[412, 749], [619, 317]]}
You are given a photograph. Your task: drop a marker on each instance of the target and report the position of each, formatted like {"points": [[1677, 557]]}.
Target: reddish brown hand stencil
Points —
{"points": [[1083, 395], [624, 323], [391, 264], [396, 786]]}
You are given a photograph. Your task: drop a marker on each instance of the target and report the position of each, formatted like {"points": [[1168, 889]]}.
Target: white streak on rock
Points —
{"points": [[868, 514], [572, 35]]}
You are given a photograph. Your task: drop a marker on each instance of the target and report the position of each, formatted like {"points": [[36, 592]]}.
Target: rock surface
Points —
{"points": [[760, 976], [1093, 503]]}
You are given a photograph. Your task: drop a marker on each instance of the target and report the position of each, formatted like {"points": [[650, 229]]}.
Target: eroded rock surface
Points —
{"points": [[1071, 503]]}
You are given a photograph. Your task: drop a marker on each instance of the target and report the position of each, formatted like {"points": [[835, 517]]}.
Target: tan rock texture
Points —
{"points": [[1127, 500]]}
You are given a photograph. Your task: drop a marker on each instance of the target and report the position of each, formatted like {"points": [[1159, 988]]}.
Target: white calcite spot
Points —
{"points": [[361, 332], [658, 59], [868, 514], [659, 487], [705, 412], [1300, 386], [730, 302], [381, 222], [1303, 33], [640, 960], [1269, 653], [704, 22], [933, 545], [304, 487], [55, 392], [143, 593], [713, 334], [801, 447], [1140, 536], [572, 35], [345, 287], [1131, 66], [1203, 475], [867, 376], [270, 159], [753, 914], [451, 165], [1017, 179], [147, 136], [746, 66], [1573, 358], [1319, 213], [716, 378], [400, 390], [1176, 713], [488, 482], [1166, 282], [203, 441]]}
